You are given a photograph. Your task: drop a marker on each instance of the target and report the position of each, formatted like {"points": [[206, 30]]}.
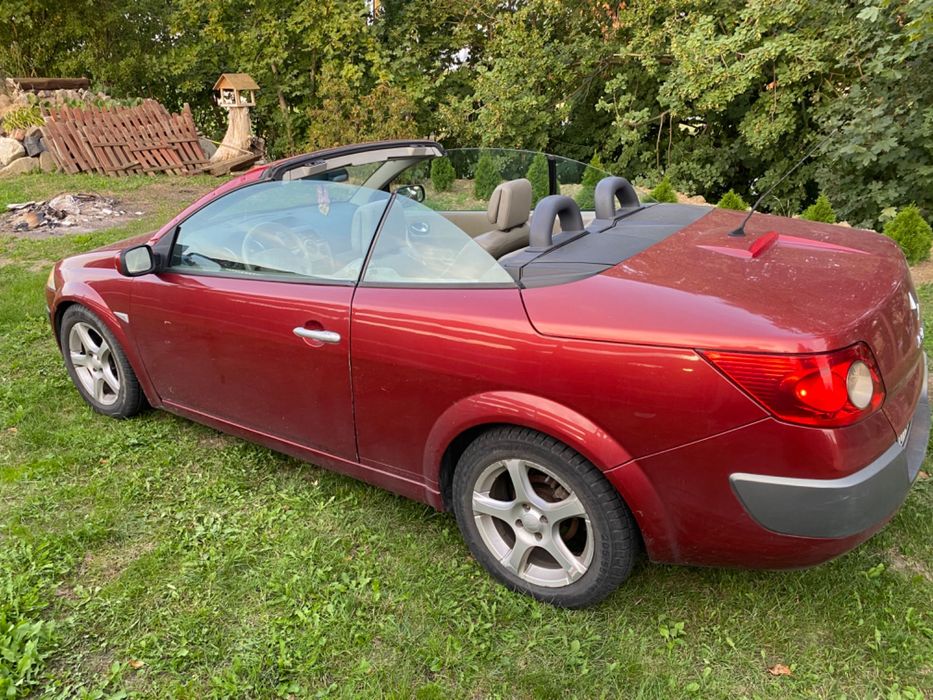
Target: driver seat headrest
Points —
{"points": [[366, 219]]}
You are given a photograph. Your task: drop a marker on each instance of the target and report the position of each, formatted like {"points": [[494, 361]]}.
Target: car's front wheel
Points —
{"points": [[97, 365], [542, 519]]}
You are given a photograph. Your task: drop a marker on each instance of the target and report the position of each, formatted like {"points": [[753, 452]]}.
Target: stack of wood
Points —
{"points": [[124, 140]]}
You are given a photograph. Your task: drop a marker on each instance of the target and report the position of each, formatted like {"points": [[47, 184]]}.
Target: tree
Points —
{"points": [[591, 177], [486, 177], [731, 200], [911, 233], [820, 210], [442, 174], [538, 176], [664, 192]]}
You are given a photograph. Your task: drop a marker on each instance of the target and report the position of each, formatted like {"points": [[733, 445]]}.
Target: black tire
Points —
{"points": [[607, 519], [128, 399]]}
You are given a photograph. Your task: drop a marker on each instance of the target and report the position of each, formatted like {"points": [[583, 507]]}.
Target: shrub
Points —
{"points": [[23, 118], [911, 233], [591, 177], [820, 210], [732, 200], [664, 192], [486, 177], [538, 176], [442, 174]]}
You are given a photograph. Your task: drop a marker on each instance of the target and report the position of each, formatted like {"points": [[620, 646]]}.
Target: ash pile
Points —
{"points": [[76, 212]]}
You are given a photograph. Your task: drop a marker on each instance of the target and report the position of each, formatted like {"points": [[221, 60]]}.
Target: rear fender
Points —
{"points": [[525, 410]]}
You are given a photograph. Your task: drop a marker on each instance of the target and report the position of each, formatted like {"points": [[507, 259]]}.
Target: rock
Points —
{"points": [[33, 141], [10, 150], [65, 204], [18, 134], [20, 166], [208, 147], [47, 162], [5, 101]]}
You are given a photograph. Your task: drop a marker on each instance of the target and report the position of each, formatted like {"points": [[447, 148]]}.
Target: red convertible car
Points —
{"points": [[574, 385]]}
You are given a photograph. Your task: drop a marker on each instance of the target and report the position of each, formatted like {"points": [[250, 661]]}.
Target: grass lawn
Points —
{"points": [[158, 558]]}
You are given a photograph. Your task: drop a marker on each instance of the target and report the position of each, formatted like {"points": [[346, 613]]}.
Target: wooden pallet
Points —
{"points": [[124, 140]]}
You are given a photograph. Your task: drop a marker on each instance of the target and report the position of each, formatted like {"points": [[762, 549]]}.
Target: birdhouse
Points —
{"points": [[235, 90]]}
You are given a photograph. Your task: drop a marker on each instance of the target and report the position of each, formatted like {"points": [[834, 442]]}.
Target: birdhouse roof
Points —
{"points": [[237, 81]]}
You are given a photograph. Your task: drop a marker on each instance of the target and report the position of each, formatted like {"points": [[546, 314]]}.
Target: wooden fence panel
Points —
{"points": [[124, 140]]}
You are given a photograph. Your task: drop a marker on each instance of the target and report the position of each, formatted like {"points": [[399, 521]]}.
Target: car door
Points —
{"points": [[435, 319], [249, 322]]}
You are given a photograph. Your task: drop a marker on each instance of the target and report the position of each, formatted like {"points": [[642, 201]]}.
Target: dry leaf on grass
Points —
{"points": [[922, 475], [136, 664], [779, 670]]}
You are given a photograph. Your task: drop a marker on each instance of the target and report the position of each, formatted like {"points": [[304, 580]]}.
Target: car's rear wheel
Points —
{"points": [[542, 519], [98, 366]]}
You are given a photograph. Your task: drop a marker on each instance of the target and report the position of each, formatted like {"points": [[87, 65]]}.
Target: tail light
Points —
{"points": [[826, 390]]}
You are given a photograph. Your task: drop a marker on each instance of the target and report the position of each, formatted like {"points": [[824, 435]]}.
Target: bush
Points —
{"points": [[486, 177], [664, 192], [442, 174], [732, 200], [591, 177], [820, 210], [23, 118], [911, 233]]}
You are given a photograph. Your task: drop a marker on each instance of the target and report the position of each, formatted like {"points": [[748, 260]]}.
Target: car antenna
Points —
{"points": [[740, 230]]}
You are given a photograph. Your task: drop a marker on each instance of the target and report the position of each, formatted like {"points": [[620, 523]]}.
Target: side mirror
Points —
{"points": [[136, 261], [415, 192]]}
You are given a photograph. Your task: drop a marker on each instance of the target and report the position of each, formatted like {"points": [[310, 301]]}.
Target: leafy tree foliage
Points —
{"points": [[538, 176], [442, 174], [718, 96], [732, 200], [486, 177], [911, 233], [820, 210], [664, 192]]}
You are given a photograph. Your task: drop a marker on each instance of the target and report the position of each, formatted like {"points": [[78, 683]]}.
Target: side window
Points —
{"points": [[418, 246], [297, 229]]}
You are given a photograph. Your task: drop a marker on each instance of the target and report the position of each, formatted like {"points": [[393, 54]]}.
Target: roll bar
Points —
{"points": [[548, 210], [610, 189]]}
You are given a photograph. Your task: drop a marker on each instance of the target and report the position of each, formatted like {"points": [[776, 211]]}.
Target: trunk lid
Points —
{"points": [[790, 286]]}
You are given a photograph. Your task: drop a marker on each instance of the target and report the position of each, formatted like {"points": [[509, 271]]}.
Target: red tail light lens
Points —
{"points": [[826, 390]]}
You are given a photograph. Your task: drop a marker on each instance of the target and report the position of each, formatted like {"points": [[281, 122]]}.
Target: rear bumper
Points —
{"points": [[836, 508]]}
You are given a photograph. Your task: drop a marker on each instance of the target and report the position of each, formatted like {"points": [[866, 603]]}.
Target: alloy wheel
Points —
{"points": [[94, 363], [533, 523]]}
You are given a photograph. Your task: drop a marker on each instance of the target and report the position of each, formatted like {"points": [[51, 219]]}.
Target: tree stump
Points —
{"points": [[239, 135]]}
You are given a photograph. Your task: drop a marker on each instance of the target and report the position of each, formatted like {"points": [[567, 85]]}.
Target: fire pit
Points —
{"points": [[71, 213]]}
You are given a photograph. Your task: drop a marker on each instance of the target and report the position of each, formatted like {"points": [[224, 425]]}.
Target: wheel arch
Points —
{"points": [[88, 298], [463, 422]]}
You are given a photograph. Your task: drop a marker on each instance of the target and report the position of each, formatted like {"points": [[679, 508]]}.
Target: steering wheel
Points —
{"points": [[275, 245]]}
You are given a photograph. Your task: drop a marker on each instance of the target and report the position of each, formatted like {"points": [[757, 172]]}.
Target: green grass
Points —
{"points": [[158, 558]]}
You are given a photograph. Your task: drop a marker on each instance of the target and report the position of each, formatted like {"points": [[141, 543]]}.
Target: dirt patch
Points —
{"points": [[922, 273], [908, 566]]}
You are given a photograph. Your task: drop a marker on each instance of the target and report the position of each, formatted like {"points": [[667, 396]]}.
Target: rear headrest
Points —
{"points": [[510, 204]]}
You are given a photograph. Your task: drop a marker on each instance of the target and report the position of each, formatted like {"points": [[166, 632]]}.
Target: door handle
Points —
{"points": [[318, 335]]}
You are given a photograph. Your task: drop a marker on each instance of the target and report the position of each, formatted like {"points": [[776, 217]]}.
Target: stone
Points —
{"points": [[208, 147], [47, 162], [65, 204], [5, 101], [20, 166], [10, 150], [18, 134], [33, 142]]}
